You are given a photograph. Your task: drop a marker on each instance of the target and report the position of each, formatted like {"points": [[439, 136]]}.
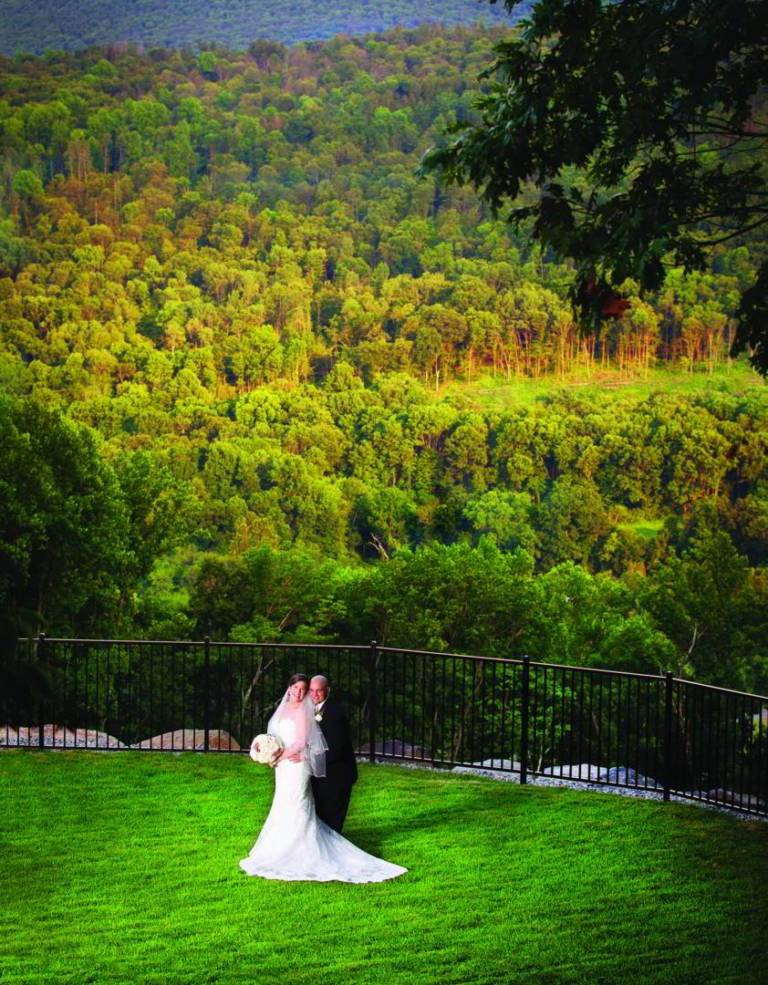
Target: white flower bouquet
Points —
{"points": [[265, 748]]}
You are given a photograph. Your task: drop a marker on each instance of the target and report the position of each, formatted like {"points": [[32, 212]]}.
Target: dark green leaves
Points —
{"points": [[657, 104]]}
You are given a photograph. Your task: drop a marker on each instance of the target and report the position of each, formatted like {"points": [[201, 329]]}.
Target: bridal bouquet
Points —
{"points": [[264, 748]]}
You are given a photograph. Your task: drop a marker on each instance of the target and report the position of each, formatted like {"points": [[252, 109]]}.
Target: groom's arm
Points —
{"points": [[337, 734]]}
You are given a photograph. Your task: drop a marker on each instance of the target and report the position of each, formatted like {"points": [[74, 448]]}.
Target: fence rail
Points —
{"points": [[614, 728]]}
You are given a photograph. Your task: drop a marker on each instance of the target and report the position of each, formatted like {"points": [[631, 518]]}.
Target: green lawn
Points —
{"points": [[123, 867]]}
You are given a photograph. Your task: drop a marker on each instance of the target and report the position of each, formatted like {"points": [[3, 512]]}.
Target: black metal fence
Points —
{"points": [[614, 728]]}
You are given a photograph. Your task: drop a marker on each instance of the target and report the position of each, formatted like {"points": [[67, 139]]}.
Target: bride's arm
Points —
{"points": [[296, 750]]}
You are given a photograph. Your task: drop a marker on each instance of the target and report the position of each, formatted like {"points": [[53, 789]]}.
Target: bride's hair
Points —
{"points": [[295, 678]]}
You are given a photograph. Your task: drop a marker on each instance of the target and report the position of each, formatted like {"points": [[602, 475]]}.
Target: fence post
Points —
{"points": [[40, 702], [206, 685], [372, 701], [526, 691], [667, 733]]}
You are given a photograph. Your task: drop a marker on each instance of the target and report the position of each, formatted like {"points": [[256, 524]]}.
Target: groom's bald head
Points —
{"points": [[318, 688]]}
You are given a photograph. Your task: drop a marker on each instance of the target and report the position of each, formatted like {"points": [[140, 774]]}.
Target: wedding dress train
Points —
{"points": [[295, 844]]}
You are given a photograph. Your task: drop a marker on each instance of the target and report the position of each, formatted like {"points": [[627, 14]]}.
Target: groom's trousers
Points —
{"points": [[331, 801]]}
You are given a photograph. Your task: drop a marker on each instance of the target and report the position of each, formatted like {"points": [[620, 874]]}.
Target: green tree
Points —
{"points": [[65, 529], [713, 608], [265, 595], [504, 516], [592, 621], [447, 598], [570, 521], [28, 193], [160, 508]]}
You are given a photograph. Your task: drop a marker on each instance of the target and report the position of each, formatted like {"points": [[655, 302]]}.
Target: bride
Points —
{"points": [[294, 843]]}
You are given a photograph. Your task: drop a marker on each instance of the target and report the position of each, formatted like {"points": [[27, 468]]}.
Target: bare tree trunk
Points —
{"points": [[467, 711], [261, 669]]}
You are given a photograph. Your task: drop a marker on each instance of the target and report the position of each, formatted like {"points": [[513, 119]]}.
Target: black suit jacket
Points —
{"points": [[340, 763]]}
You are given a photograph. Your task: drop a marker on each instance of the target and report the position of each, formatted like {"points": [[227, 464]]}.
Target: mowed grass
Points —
{"points": [[123, 867]]}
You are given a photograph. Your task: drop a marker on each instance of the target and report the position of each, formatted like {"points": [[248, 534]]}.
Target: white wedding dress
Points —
{"points": [[295, 844]]}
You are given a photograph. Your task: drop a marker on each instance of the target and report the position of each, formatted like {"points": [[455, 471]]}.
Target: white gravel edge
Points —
{"points": [[548, 781], [498, 775]]}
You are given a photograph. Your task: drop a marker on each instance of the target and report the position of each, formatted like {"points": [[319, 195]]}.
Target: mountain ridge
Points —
{"points": [[71, 25]]}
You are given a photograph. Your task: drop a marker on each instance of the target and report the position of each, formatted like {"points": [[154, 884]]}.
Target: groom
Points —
{"points": [[332, 791]]}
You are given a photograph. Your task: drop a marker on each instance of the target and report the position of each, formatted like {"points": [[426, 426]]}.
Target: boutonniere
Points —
{"points": [[318, 716]]}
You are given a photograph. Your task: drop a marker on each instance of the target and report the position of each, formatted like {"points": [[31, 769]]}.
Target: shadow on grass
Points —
{"points": [[375, 836]]}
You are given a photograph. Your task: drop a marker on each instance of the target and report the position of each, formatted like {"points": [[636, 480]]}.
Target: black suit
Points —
{"points": [[332, 791]]}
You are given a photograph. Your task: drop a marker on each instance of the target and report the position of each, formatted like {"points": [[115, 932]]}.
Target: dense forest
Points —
{"points": [[35, 27], [240, 343]]}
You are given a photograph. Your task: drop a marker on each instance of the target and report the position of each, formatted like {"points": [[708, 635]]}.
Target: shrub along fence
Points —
{"points": [[615, 728]]}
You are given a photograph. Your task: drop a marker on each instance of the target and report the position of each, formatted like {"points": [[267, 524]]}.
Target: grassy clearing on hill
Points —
{"points": [[123, 867], [647, 529], [496, 393]]}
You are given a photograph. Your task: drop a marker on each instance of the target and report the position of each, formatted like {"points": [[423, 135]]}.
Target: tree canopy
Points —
{"points": [[264, 383], [641, 127]]}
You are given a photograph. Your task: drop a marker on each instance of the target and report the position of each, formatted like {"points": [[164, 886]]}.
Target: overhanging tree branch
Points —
{"points": [[611, 89]]}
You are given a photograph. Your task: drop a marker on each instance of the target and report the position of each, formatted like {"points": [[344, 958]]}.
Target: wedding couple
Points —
{"points": [[314, 773]]}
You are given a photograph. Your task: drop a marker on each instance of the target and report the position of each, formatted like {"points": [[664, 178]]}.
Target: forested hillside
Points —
{"points": [[229, 312], [38, 26]]}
